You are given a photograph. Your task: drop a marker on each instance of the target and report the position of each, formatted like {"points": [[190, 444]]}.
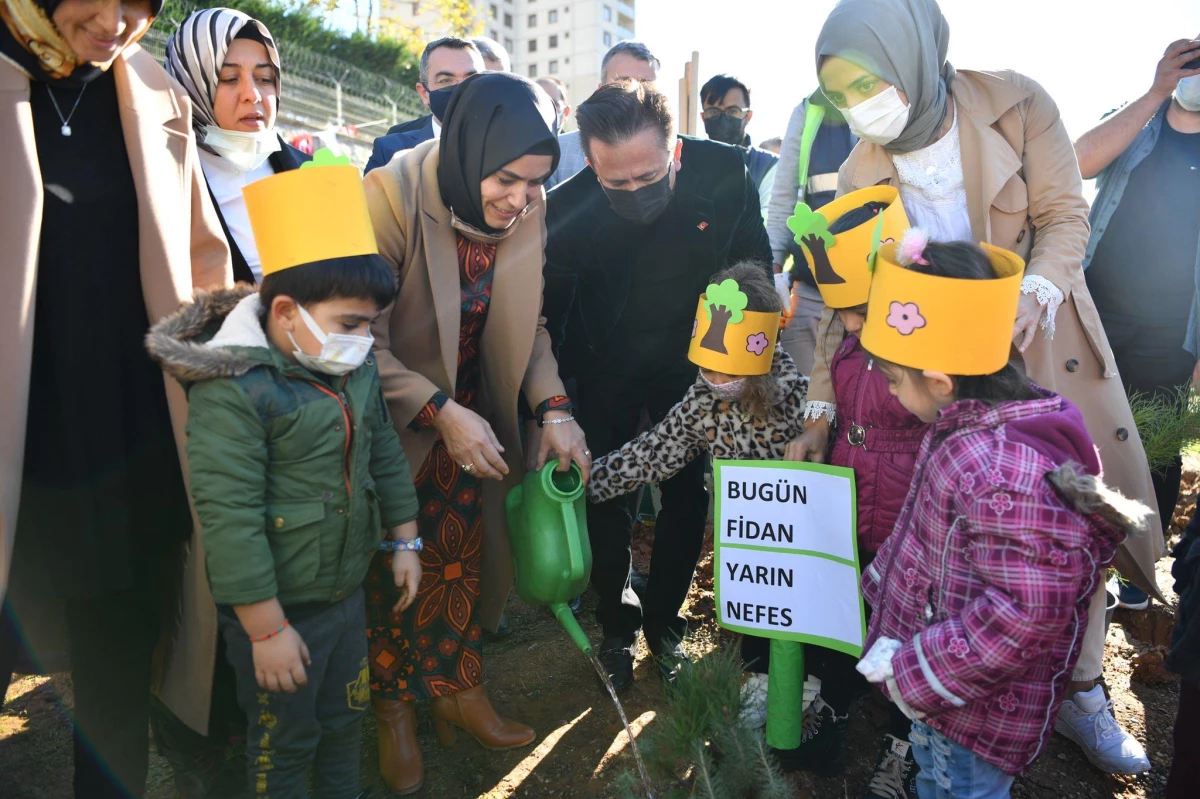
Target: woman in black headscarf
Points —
{"points": [[462, 221], [105, 228]]}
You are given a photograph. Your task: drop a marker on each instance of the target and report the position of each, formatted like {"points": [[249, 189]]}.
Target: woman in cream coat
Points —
{"points": [[107, 227], [984, 156]]}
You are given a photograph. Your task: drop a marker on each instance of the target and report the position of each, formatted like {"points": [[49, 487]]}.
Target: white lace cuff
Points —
{"points": [[1049, 296], [815, 410]]}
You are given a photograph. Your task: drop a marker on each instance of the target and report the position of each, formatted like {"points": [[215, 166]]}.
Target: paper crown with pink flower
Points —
{"points": [[950, 325], [729, 339], [841, 263]]}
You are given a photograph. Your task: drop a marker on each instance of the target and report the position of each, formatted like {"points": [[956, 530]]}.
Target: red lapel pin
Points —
{"points": [[702, 226]]}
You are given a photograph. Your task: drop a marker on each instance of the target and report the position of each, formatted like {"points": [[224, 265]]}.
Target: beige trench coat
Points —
{"points": [[180, 247], [417, 336], [1025, 194]]}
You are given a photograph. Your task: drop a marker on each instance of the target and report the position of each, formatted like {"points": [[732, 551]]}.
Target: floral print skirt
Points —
{"points": [[433, 648]]}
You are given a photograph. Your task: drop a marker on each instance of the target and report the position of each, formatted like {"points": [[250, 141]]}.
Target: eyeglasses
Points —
{"points": [[733, 112]]}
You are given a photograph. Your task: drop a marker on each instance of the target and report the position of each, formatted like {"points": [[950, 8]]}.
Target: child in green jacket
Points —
{"points": [[296, 472]]}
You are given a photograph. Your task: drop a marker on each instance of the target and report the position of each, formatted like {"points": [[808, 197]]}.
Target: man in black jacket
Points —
{"points": [[632, 242]]}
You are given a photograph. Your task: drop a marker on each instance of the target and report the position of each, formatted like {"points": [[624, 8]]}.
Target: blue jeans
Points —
{"points": [[951, 771]]}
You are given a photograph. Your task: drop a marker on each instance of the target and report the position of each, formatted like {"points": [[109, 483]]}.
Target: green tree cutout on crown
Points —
{"points": [[325, 157], [724, 304], [811, 230]]}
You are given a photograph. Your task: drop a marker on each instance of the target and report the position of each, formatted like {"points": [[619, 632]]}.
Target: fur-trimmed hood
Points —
{"points": [[191, 347], [1111, 512]]}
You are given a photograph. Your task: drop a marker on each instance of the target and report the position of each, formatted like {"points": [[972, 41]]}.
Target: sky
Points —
{"points": [[1091, 55]]}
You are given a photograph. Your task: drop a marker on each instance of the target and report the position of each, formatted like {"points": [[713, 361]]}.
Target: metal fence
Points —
{"points": [[321, 94]]}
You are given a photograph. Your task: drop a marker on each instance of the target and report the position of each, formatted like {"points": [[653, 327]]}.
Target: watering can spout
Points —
{"points": [[567, 619]]}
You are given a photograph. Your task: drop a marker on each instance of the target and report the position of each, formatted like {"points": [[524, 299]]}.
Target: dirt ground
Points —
{"points": [[539, 677]]}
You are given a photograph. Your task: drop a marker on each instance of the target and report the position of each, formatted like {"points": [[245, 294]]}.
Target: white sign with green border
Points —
{"points": [[786, 553]]}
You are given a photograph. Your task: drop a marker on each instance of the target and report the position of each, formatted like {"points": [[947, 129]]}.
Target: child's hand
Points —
{"points": [[279, 662], [406, 571]]}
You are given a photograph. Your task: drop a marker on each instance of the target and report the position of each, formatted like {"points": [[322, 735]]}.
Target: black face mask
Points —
{"points": [[724, 129], [642, 206], [439, 100]]}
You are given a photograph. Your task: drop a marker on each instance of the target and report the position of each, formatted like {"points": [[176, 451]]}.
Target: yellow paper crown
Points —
{"points": [[310, 214], [841, 263], [727, 338], [950, 325]]}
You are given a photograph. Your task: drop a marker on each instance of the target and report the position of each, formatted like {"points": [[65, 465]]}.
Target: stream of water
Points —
{"points": [[603, 673]]}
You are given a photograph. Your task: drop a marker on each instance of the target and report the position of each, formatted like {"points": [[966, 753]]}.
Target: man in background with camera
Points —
{"points": [[1142, 260]]}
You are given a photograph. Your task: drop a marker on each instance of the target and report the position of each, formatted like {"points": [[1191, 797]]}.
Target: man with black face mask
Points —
{"points": [[445, 63], [632, 240], [726, 115]]}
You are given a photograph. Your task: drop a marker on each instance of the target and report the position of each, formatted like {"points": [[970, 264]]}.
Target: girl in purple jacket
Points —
{"points": [[877, 438], [980, 595]]}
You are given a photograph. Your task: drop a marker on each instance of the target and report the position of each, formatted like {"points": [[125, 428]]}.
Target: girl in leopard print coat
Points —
{"points": [[704, 423], [731, 417]]}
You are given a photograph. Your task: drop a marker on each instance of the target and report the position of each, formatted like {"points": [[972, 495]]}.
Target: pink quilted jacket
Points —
{"points": [[1003, 538], [876, 437]]}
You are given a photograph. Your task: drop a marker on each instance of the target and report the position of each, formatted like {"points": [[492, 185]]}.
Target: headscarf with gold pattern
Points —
{"points": [[30, 38]]}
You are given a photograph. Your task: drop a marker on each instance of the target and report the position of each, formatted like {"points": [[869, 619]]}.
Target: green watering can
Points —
{"points": [[547, 531]]}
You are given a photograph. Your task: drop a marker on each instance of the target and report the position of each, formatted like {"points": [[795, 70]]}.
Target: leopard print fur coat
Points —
{"points": [[701, 423]]}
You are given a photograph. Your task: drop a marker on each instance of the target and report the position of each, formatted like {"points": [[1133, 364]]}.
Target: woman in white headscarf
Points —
{"points": [[984, 156], [229, 65]]}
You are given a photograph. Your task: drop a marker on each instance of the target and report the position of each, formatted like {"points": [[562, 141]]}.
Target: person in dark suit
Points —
{"points": [[229, 65], [445, 63], [632, 242]]}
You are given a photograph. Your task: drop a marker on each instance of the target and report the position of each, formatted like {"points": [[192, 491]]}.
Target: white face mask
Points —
{"points": [[1187, 93], [246, 151], [340, 353], [878, 120]]}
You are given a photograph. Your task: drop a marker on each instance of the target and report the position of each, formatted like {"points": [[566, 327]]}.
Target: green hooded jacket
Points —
{"points": [[295, 475]]}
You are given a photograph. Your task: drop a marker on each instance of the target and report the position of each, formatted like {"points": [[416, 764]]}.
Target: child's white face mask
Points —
{"points": [[726, 392], [340, 353]]}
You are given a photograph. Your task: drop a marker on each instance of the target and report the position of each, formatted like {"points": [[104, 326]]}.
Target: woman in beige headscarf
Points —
{"points": [[106, 227], [984, 156]]}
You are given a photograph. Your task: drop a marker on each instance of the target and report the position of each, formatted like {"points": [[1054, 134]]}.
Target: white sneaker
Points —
{"points": [[1087, 720], [754, 702], [754, 699]]}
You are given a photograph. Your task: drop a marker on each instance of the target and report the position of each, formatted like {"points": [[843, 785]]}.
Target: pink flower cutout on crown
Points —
{"points": [[905, 317], [757, 343]]}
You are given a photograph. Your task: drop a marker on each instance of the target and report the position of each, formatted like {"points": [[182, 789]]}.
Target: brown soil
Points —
{"points": [[539, 677]]}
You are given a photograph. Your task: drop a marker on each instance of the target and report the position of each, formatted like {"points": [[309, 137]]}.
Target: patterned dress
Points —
{"points": [[433, 648]]}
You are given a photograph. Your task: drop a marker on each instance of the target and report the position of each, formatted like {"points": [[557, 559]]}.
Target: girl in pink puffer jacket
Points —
{"points": [[877, 438]]}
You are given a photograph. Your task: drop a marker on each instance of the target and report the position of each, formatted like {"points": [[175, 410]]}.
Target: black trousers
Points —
{"points": [[321, 724], [1152, 360], [112, 638], [610, 409]]}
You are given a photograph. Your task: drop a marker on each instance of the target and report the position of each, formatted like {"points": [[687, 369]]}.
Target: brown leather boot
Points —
{"points": [[399, 755], [472, 711]]}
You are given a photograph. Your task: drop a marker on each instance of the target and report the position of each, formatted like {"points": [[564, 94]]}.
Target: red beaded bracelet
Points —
{"points": [[268, 636]]}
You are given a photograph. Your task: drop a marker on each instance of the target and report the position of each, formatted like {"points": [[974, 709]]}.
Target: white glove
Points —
{"points": [[784, 289], [876, 666]]}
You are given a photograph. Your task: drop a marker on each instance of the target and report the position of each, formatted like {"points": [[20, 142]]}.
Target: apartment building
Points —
{"points": [[565, 39]]}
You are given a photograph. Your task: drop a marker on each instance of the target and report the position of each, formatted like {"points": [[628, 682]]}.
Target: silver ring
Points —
{"points": [[468, 467], [587, 452]]}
